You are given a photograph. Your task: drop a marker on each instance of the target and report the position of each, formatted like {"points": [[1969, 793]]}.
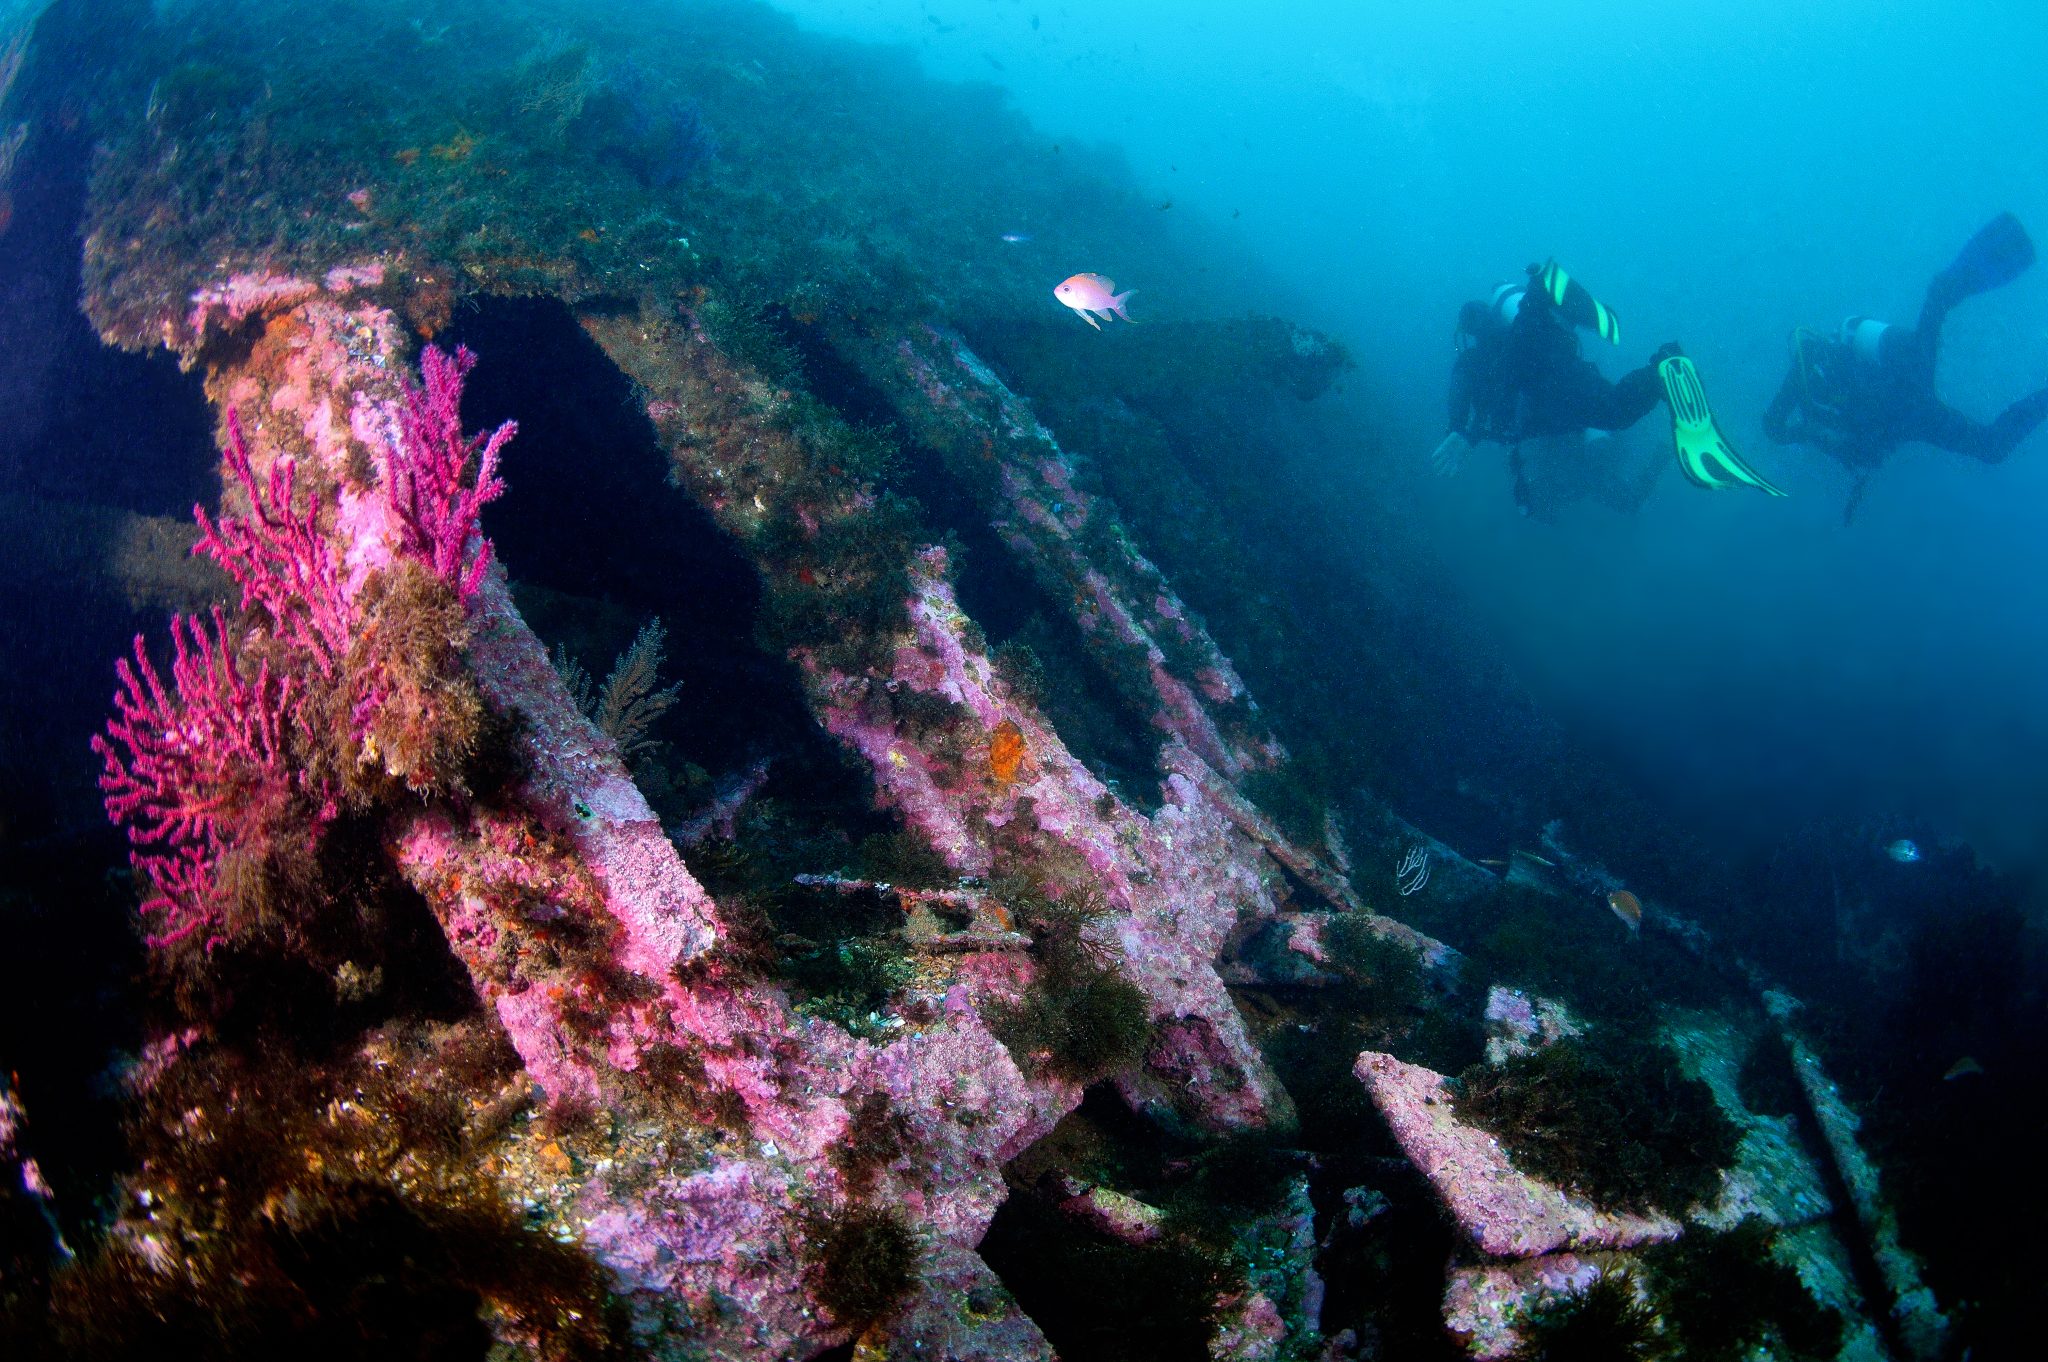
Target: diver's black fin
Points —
{"points": [[2000, 253]]}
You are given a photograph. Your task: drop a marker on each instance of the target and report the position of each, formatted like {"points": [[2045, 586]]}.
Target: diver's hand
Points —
{"points": [[1449, 455]]}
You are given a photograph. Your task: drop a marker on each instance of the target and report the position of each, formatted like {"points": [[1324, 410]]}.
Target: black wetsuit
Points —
{"points": [[1860, 410], [1527, 380]]}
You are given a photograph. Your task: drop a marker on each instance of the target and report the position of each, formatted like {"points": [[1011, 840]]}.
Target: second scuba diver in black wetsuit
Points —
{"points": [[1869, 388], [1519, 378]]}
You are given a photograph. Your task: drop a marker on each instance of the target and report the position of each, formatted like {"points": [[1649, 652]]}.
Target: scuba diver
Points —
{"points": [[1869, 388], [1519, 380]]}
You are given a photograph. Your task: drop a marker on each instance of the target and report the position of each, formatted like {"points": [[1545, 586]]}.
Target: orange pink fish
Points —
{"points": [[1092, 296]]}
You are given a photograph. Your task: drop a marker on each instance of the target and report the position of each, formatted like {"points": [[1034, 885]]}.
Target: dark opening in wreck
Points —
{"points": [[103, 453], [598, 539]]}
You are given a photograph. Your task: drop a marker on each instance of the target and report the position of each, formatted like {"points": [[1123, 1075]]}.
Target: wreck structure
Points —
{"points": [[997, 909]]}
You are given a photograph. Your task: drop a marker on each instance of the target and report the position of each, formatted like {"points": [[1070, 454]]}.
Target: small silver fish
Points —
{"points": [[1905, 851], [1016, 238]]}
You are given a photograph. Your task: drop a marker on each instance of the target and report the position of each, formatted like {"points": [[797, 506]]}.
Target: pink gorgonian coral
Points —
{"points": [[195, 769], [278, 556], [435, 499], [199, 768]]}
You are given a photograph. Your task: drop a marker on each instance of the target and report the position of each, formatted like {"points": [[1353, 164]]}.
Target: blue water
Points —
{"points": [[1800, 733], [1717, 175]]}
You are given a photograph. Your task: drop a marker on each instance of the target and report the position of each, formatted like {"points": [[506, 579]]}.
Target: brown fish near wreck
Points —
{"points": [[1627, 907]]}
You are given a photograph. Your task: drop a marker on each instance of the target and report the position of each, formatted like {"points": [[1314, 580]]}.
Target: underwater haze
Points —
{"points": [[1717, 175], [960, 678]]}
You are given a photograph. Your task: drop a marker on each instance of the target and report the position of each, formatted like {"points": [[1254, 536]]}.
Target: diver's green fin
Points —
{"points": [[1704, 454], [1579, 307], [1997, 255]]}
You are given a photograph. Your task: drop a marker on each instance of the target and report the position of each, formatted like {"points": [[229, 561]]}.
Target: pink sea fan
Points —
{"points": [[199, 769], [196, 769], [280, 559], [437, 502]]}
